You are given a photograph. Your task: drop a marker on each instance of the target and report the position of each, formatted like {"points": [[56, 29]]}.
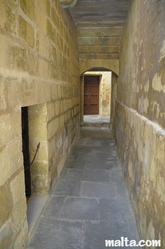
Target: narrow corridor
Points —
{"points": [[89, 203]]}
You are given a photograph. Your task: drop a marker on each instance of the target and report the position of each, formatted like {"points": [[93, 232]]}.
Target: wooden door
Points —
{"points": [[25, 150], [91, 95]]}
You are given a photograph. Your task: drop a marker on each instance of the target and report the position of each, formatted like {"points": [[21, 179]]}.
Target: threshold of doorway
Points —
{"points": [[35, 207], [96, 121]]}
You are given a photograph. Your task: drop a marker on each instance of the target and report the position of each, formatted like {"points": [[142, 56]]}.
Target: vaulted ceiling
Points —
{"points": [[99, 26]]}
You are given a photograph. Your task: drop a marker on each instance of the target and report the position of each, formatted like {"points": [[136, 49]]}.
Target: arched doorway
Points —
{"points": [[99, 104]]}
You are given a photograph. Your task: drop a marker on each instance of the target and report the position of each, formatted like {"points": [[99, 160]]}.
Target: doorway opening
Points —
{"points": [[25, 150], [91, 95], [96, 98], [35, 159]]}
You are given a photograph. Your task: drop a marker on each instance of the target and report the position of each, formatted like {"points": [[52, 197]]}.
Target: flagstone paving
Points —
{"points": [[89, 203]]}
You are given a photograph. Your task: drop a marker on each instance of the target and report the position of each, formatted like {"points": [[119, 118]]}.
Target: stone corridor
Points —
{"points": [[89, 202]]}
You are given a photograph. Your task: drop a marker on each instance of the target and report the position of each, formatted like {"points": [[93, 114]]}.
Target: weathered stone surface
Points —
{"points": [[28, 8], [19, 209], [8, 16], [53, 127], [45, 6], [17, 192], [26, 31], [41, 20], [40, 178], [51, 32], [140, 115], [7, 236], [142, 155], [6, 203], [11, 160], [39, 57], [6, 125]]}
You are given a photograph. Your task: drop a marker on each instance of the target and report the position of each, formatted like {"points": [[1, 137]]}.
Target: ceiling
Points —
{"points": [[99, 27]]}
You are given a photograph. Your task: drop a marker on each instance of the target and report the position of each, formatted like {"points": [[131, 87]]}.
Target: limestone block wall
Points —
{"points": [[113, 99], [38, 68], [105, 92], [140, 116]]}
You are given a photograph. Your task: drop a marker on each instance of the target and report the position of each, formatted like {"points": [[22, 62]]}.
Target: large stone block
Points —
{"points": [[51, 148], [37, 123], [8, 15], [18, 215], [6, 235], [22, 237], [18, 58], [61, 121], [4, 97], [52, 53], [26, 31], [13, 57], [66, 117], [17, 186], [12, 93], [28, 8], [57, 107], [29, 92], [51, 32], [43, 70], [39, 169], [41, 20], [53, 127], [50, 111], [32, 63], [11, 160], [8, 131], [41, 43], [45, 6], [6, 203], [44, 91], [54, 92], [40, 180], [55, 18]]}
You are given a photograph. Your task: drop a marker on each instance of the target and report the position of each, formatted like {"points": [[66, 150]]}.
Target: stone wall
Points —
{"points": [[105, 94], [113, 99], [140, 116], [38, 68]]}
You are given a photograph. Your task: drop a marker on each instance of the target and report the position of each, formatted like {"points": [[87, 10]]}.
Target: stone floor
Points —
{"points": [[89, 203], [96, 120]]}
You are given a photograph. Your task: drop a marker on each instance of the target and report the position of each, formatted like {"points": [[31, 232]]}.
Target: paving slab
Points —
{"points": [[89, 202]]}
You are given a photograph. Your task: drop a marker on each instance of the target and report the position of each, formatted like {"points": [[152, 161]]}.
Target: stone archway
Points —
{"points": [[100, 64], [112, 92]]}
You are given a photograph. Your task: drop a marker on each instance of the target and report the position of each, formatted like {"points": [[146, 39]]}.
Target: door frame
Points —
{"points": [[88, 73], [95, 84]]}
